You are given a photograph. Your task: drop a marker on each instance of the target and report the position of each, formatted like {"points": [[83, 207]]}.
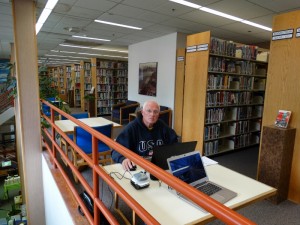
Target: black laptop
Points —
{"points": [[163, 152]]}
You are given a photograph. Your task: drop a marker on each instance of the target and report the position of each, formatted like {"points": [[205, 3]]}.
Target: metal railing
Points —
{"points": [[217, 209]]}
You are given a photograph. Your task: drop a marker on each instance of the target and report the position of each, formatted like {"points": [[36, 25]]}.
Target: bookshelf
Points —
{"points": [[225, 112], [111, 83], [75, 74], [62, 83], [87, 84]]}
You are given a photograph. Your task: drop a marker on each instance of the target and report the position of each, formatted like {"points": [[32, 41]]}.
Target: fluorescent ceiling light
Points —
{"points": [[108, 50], [99, 49], [256, 25], [215, 12], [186, 3], [64, 56], [71, 60], [218, 13], [63, 51], [51, 4], [38, 27], [75, 46], [118, 24], [44, 15], [90, 38]]}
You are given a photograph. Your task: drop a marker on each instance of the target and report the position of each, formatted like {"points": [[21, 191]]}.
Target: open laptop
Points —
{"points": [[190, 169], [163, 152]]}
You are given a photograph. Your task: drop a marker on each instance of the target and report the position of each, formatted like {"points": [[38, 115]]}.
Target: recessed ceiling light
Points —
{"points": [[90, 38], [118, 24]]}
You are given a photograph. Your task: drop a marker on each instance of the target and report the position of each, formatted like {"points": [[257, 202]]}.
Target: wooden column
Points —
{"points": [[275, 159], [179, 90], [28, 109], [282, 89]]}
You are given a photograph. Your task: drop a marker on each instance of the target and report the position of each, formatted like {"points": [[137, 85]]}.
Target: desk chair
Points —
{"points": [[77, 115], [83, 139], [165, 115], [121, 111], [63, 143], [46, 109]]}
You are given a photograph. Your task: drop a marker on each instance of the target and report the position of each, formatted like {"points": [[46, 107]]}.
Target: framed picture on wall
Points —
{"points": [[148, 78]]}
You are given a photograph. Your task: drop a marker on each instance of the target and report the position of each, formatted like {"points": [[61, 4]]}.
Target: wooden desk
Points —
{"points": [[67, 126], [160, 202]]}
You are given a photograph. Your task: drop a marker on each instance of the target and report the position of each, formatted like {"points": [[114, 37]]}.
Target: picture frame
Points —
{"points": [[148, 78]]}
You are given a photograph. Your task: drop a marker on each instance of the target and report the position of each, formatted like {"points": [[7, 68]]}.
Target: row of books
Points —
{"points": [[216, 115], [103, 111], [222, 47], [231, 49], [107, 88], [111, 65], [221, 145], [220, 64], [68, 69], [87, 73], [106, 72], [231, 129], [228, 98], [87, 66], [76, 68], [218, 81], [111, 79], [105, 103], [88, 79], [87, 86]]}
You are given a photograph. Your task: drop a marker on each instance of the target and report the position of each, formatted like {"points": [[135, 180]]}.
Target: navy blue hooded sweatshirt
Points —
{"points": [[141, 140]]}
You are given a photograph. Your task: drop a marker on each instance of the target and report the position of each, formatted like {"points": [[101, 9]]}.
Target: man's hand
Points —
{"points": [[127, 164]]}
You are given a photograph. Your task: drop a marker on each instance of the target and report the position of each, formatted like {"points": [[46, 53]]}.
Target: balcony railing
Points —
{"points": [[217, 209]]}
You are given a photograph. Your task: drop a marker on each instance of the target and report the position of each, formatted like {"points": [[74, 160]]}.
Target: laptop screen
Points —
{"points": [[188, 168], [163, 152]]}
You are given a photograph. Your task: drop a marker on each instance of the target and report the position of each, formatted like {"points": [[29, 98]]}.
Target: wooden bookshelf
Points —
{"points": [[223, 94], [86, 75], [111, 83], [62, 83], [75, 74]]}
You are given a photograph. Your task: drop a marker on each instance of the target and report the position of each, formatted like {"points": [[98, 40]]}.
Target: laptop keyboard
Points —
{"points": [[208, 188]]}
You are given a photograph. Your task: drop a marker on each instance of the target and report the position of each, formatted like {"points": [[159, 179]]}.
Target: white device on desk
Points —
{"points": [[140, 180]]}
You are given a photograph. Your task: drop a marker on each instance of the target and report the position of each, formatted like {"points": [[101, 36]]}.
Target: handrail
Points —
{"points": [[219, 210]]}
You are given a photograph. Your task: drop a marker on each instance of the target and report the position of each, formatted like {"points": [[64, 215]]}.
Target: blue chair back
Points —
{"points": [[83, 138], [46, 109], [51, 99], [77, 115]]}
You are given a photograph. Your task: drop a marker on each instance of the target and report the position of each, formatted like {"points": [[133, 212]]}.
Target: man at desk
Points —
{"points": [[144, 133]]}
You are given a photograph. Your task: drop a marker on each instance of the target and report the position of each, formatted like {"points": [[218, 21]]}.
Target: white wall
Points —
{"points": [[56, 211], [163, 51]]}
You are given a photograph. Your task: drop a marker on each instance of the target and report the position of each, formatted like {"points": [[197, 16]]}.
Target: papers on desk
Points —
{"points": [[207, 161]]}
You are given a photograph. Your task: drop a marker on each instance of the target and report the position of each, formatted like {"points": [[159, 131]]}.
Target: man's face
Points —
{"points": [[150, 114]]}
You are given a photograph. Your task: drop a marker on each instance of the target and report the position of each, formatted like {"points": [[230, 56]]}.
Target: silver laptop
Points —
{"points": [[190, 169]]}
